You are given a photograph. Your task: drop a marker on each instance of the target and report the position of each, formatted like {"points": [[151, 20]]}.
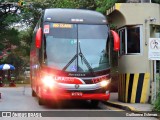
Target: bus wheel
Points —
{"points": [[34, 93], [41, 101], [94, 103]]}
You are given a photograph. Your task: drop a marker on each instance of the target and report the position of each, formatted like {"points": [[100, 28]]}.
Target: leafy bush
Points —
{"points": [[157, 103]]}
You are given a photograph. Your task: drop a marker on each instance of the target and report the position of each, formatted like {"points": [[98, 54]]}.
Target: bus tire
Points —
{"points": [[94, 103], [34, 93], [41, 101]]}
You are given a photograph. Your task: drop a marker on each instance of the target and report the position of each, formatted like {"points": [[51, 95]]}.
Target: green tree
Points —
{"points": [[157, 103], [103, 5], [26, 38], [8, 16]]}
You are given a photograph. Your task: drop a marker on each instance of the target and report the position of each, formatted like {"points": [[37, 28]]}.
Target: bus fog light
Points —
{"points": [[104, 83], [48, 81]]}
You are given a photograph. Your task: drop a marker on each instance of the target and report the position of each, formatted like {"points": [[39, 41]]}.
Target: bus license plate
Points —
{"points": [[76, 94]]}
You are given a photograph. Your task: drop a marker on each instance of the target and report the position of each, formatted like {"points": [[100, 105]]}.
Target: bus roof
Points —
{"points": [[61, 15]]}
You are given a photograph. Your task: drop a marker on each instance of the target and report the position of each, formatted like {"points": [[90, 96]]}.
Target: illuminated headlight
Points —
{"points": [[48, 81], [104, 83]]}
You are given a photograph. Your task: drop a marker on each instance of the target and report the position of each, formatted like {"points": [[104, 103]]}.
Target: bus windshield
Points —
{"points": [[76, 47]]}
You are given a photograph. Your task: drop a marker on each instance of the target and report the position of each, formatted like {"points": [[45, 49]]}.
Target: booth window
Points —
{"points": [[122, 41], [130, 39], [133, 40]]}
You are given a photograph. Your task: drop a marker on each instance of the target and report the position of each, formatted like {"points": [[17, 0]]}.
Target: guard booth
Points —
{"points": [[138, 25]]}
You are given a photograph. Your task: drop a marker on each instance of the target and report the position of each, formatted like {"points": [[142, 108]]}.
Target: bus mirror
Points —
{"points": [[38, 38], [116, 40]]}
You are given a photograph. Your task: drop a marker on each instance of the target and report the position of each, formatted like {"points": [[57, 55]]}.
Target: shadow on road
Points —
{"points": [[70, 104]]}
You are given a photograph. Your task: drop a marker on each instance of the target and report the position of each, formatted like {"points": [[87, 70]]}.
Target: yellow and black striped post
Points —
{"points": [[133, 88]]}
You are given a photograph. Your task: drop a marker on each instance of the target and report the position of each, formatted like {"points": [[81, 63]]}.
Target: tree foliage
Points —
{"points": [[103, 5], [8, 16], [32, 12], [157, 103], [26, 38]]}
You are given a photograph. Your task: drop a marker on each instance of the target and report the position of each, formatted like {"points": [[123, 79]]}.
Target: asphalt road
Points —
{"points": [[19, 99]]}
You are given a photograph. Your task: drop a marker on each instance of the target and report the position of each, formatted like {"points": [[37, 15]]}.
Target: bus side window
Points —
{"points": [[108, 48], [44, 48]]}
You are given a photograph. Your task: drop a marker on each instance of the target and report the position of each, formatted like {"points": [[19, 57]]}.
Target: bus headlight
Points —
{"points": [[48, 81], [104, 83]]}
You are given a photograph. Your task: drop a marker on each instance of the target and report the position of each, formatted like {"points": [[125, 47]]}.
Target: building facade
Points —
{"points": [[136, 23]]}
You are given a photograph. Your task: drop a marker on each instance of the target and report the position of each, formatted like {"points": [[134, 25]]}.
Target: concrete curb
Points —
{"points": [[120, 106], [124, 107]]}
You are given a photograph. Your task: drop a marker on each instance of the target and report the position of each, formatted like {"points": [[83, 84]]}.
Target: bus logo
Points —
{"points": [[76, 86]]}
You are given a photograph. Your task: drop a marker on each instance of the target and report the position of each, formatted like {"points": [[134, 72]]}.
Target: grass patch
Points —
{"points": [[157, 103]]}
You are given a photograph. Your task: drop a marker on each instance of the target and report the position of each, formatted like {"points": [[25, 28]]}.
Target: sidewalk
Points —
{"points": [[128, 106]]}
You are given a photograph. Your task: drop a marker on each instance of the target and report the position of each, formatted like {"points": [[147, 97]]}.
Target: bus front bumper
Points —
{"points": [[75, 96]]}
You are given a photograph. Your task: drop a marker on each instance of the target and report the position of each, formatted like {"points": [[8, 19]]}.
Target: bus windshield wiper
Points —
{"points": [[82, 59], [85, 61], [70, 62]]}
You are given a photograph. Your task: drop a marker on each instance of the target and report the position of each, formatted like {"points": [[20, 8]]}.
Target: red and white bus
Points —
{"points": [[69, 57]]}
